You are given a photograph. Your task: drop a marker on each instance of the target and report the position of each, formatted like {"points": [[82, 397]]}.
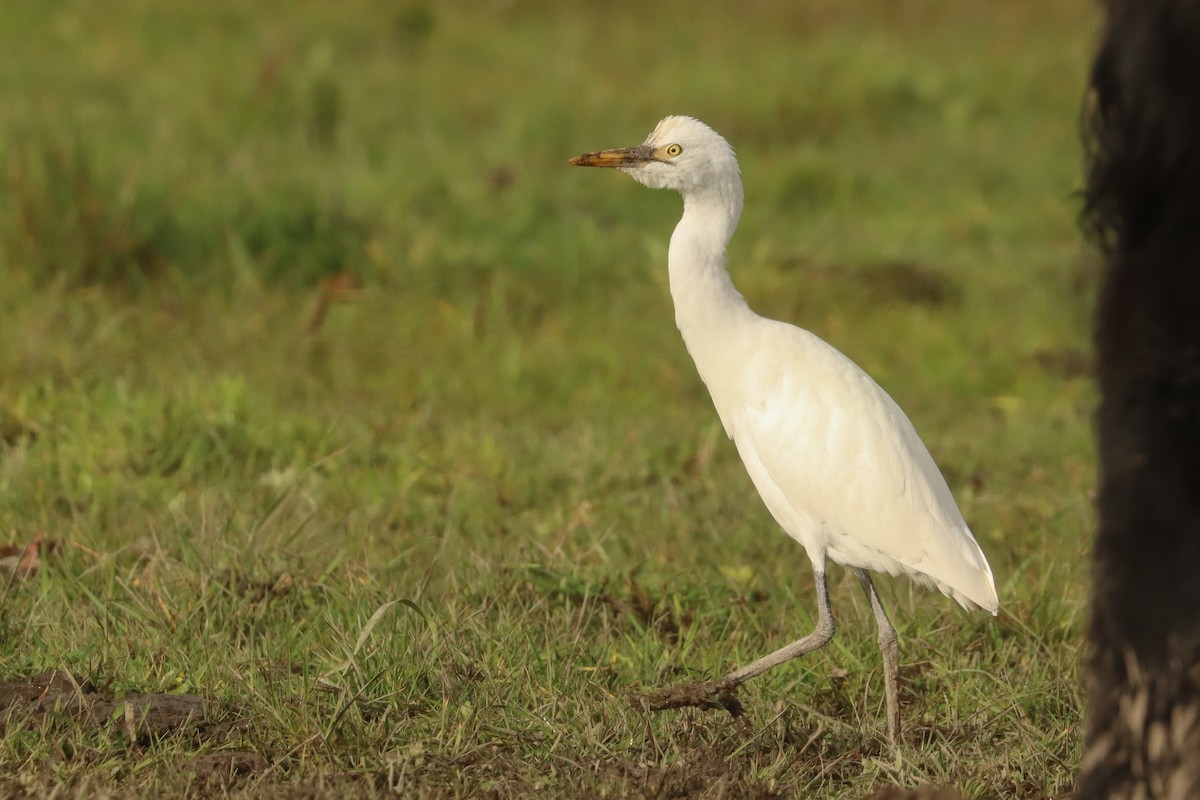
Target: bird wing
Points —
{"points": [[842, 468]]}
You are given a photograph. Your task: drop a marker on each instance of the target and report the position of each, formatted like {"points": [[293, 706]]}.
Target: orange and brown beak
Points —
{"points": [[620, 157]]}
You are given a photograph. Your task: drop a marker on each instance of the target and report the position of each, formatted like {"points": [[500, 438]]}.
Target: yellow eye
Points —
{"points": [[673, 150]]}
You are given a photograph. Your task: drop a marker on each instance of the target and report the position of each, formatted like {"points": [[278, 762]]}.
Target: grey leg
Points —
{"points": [[720, 693], [890, 648], [814, 641]]}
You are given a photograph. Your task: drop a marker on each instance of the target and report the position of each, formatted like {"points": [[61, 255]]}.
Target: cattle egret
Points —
{"points": [[836, 461]]}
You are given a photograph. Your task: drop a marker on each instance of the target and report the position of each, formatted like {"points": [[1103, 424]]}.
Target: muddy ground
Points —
{"points": [[211, 758]]}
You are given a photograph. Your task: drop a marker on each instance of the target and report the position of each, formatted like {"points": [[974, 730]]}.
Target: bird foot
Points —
{"points": [[699, 694]]}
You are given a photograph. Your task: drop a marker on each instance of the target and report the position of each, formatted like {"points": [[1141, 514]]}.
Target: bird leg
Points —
{"points": [[890, 648], [720, 693]]}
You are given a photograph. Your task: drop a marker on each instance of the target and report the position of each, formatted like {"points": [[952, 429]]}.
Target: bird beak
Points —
{"points": [[620, 157]]}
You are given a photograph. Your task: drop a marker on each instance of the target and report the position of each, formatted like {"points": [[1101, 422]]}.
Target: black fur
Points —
{"points": [[1142, 132]]}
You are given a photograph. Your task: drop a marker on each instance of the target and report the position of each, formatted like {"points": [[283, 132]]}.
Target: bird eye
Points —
{"points": [[673, 150]]}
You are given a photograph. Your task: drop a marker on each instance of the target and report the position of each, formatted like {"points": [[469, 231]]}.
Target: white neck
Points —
{"points": [[706, 302]]}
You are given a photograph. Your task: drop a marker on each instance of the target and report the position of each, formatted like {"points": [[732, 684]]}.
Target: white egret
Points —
{"points": [[836, 461]]}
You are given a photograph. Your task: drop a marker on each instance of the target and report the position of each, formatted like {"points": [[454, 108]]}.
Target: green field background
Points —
{"points": [[357, 412]]}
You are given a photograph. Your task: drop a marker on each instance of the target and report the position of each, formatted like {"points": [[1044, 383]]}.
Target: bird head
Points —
{"points": [[681, 153]]}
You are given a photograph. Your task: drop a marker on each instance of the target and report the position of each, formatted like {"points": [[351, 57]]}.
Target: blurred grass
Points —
{"points": [[502, 427]]}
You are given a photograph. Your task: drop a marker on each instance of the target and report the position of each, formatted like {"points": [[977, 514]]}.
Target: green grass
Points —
{"points": [[431, 545]]}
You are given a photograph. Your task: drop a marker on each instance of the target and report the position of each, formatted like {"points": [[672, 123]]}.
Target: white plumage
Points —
{"points": [[841, 468], [838, 464]]}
